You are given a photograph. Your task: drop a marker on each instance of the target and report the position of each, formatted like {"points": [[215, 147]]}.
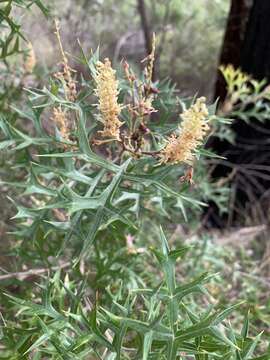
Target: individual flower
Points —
{"points": [[180, 148], [107, 92]]}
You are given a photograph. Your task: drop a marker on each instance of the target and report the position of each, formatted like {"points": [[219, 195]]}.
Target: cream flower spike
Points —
{"points": [[180, 148], [107, 92], [30, 61]]}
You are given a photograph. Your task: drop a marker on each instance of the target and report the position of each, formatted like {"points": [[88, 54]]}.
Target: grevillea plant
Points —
{"points": [[100, 162]]}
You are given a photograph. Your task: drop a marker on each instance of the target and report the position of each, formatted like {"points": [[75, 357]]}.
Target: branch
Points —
{"points": [[21, 275], [164, 30], [145, 27]]}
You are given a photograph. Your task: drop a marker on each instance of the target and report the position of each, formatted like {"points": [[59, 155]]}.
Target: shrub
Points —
{"points": [[100, 160]]}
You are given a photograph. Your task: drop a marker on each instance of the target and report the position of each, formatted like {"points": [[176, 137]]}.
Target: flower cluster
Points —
{"points": [[180, 148], [63, 119], [149, 69], [69, 84], [60, 120], [30, 59], [107, 92], [66, 74]]}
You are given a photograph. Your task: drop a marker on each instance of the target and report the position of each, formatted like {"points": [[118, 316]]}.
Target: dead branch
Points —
{"points": [[22, 275]]}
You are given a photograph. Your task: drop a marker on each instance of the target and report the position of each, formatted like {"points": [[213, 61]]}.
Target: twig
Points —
{"points": [[145, 26], [257, 278], [21, 275], [164, 31], [138, 153], [122, 41], [146, 30]]}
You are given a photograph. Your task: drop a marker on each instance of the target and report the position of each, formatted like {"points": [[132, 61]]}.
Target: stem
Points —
{"points": [[148, 153]]}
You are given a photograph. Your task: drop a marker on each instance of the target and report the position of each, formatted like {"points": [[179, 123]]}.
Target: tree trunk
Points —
{"points": [[249, 158], [145, 26], [233, 41], [147, 31], [255, 59]]}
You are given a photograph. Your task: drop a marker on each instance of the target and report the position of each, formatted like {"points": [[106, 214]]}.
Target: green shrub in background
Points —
{"points": [[101, 162], [181, 28], [16, 52], [17, 70], [11, 28]]}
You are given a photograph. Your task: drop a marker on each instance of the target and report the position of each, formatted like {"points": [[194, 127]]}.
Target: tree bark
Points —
{"points": [[255, 57], [249, 158], [147, 32], [232, 42], [145, 26]]}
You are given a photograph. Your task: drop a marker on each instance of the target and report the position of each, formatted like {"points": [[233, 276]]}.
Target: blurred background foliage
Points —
{"points": [[189, 35]]}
